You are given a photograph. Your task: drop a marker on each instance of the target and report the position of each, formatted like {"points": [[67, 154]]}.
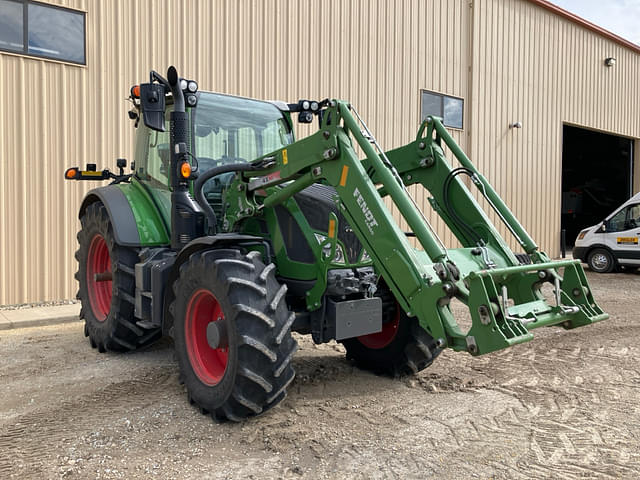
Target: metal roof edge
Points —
{"points": [[586, 24]]}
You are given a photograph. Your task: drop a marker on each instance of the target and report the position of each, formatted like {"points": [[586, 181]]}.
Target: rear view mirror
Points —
{"points": [[603, 228], [152, 100]]}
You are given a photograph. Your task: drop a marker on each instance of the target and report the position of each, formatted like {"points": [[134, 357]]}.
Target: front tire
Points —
{"points": [[232, 334], [601, 261], [108, 305]]}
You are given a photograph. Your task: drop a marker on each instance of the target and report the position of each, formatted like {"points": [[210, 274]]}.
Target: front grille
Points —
{"points": [[316, 203]]}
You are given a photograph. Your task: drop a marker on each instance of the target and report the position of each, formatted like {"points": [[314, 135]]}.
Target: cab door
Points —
{"points": [[623, 234], [153, 159]]}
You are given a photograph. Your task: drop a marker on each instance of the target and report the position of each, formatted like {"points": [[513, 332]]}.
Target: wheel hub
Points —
{"points": [[99, 277], [217, 334], [600, 261], [206, 337]]}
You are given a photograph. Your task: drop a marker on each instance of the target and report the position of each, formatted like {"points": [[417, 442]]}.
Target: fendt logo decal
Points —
{"points": [[370, 220]]}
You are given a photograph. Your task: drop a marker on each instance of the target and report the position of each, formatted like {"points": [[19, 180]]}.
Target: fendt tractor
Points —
{"points": [[229, 235]]}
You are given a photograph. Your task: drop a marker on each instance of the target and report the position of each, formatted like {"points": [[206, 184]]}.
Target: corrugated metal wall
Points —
{"points": [[536, 67], [378, 54], [510, 60]]}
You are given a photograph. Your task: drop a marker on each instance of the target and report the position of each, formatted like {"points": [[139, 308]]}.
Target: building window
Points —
{"points": [[42, 30], [450, 109]]}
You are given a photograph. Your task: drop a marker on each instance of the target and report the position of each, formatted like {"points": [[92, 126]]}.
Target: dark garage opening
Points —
{"points": [[596, 177]]}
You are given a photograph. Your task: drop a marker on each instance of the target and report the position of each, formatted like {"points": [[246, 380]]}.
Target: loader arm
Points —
{"points": [[503, 297]]}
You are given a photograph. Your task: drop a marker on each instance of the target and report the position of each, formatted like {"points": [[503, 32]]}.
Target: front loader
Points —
{"points": [[230, 234]]}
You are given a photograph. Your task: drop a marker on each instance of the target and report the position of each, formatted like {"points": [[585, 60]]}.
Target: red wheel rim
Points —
{"points": [[100, 293], [383, 338], [209, 364]]}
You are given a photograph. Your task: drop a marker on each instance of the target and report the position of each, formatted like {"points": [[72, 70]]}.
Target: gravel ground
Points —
{"points": [[562, 406]]}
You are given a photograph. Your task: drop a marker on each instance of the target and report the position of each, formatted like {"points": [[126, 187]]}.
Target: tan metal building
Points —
{"points": [[497, 63]]}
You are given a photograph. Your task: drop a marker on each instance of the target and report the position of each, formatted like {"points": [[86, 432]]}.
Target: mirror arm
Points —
{"points": [[155, 76]]}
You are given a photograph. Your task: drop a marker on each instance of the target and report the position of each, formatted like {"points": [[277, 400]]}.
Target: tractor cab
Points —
{"points": [[223, 129]]}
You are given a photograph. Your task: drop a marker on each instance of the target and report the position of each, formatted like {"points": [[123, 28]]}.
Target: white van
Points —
{"points": [[614, 241]]}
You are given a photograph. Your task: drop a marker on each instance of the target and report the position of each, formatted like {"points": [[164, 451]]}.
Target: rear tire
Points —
{"points": [[401, 348], [601, 261], [232, 334], [108, 306]]}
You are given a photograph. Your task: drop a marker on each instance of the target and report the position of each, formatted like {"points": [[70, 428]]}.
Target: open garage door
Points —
{"points": [[597, 176]]}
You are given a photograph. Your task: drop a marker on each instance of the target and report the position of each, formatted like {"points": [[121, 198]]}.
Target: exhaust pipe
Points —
{"points": [[187, 219]]}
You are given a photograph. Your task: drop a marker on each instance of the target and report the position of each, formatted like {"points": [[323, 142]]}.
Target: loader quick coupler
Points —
{"points": [[230, 235]]}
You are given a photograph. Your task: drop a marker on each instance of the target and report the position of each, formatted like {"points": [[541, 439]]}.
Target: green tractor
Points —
{"points": [[230, 234]]}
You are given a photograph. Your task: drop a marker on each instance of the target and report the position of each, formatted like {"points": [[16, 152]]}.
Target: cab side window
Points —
{"points": [[625, 219], [159, 157], [153, 155]]}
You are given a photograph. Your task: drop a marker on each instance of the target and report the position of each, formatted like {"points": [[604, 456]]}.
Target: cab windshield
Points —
{"points": [[233, 129]]}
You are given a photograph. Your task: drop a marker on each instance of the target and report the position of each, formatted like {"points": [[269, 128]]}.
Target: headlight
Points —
{"points": [[338, 257], [582, 234]]}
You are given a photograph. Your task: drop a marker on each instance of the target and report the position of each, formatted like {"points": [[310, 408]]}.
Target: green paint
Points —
{"points": [[424, 280], [419, 278], [151, 226]]}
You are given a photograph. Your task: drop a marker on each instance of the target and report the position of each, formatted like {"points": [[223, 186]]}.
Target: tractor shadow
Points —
{"points": [[323, 372]]}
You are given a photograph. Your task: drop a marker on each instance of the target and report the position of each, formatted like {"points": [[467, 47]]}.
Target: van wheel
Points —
{"points": [[601, 261]]}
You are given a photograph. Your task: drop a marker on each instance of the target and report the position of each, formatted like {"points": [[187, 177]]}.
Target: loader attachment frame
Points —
{"points": [[503, 296]]}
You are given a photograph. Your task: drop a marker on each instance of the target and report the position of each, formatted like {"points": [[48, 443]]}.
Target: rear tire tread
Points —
{"points": [[117, 332]]}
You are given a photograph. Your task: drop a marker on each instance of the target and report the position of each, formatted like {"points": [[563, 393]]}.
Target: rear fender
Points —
{"points": [[134, 216]]}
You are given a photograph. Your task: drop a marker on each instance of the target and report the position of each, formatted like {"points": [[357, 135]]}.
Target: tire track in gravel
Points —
{"points": [[565, 440], [28, 440]]}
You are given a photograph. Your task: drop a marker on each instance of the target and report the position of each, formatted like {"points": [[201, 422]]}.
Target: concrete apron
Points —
{"points": [[39, 316]]}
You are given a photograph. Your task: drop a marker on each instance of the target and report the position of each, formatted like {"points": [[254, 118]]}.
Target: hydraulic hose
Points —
{"points": [[465, 227], [458, 220], [209, 174]]}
